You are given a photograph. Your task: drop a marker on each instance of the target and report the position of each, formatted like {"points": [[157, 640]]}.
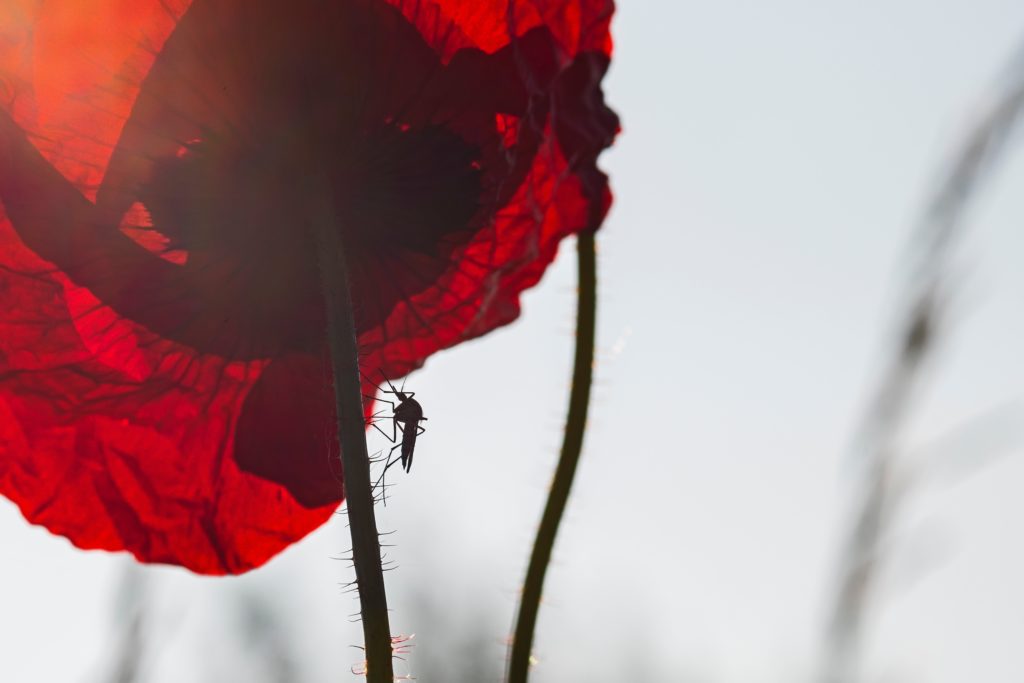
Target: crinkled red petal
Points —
{"points": [[163, 383]]}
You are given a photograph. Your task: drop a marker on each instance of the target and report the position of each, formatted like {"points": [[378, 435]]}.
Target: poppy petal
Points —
{"points": [[163, 386]]}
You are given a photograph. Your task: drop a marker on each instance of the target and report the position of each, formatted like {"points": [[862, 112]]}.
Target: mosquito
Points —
{"points": [[408, 413]]}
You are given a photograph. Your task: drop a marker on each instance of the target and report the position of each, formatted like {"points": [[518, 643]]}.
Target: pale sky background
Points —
{"points": [[774, 160]]}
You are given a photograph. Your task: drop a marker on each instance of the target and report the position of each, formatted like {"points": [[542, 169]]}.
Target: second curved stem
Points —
{"points": [[579, 402]]}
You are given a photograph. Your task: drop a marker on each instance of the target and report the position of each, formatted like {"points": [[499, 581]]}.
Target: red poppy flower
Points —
{"points": [[163, 377]]}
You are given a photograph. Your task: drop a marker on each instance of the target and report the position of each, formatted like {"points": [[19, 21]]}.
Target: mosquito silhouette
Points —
{"points": [[409, 413]]}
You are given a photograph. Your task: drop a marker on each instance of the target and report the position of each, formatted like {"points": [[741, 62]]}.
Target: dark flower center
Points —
{"points": [[236, 208]]}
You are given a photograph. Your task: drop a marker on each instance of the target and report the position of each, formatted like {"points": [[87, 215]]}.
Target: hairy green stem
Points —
{"points": [[579, 401], [355, 460]]}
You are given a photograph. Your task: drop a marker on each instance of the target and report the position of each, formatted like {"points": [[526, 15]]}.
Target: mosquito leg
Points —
{"points": [[382, 482], [389, 460], [380, 479], [382, 400], [390, 437], [385, 470]]}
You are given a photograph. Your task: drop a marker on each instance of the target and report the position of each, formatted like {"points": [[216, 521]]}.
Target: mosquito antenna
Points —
{"points": [[403, 383], [387, 380]]}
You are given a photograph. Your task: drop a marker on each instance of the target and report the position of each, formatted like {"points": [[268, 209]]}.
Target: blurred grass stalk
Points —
{"points": [[933, 247], [520, 656]]}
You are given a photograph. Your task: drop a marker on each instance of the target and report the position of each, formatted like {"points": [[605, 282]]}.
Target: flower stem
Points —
{"points": [[355, 461], [579, 401]]}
